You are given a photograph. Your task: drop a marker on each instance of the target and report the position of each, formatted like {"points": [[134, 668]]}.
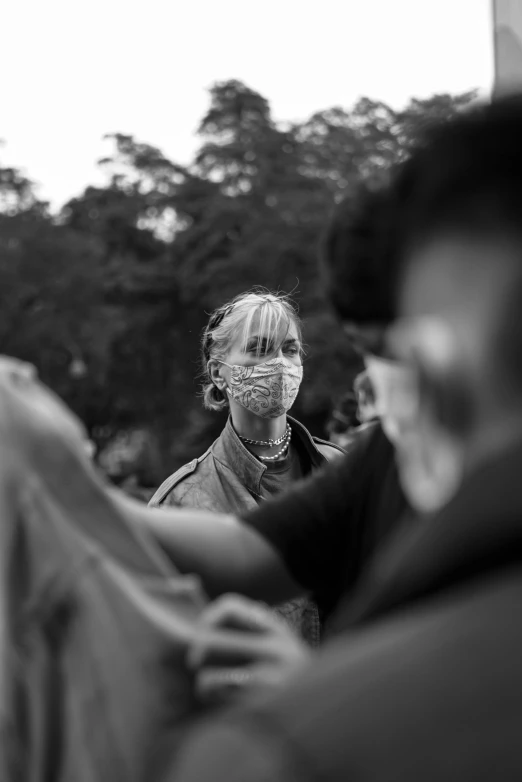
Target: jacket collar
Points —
{"points": [[479, 532], [230, 451]]}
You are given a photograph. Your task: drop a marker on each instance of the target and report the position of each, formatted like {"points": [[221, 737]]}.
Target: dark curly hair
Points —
{"points": [[358, 257]]}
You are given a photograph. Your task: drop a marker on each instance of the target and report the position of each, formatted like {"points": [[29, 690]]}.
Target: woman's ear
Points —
{"points": [[215, 371]]}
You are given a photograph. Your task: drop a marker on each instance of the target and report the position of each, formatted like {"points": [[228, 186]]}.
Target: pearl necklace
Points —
{"points": [[280, 453], [268, 443]]}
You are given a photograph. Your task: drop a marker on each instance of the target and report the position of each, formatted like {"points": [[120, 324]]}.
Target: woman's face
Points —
{"points": [[247, 356], [285, 345]]}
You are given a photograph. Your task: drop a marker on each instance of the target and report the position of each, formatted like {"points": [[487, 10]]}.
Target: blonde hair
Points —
{"points": [[275, 311]]}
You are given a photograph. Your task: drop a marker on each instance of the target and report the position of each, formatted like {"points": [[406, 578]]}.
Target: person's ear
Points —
{"points": [[215, 371]]}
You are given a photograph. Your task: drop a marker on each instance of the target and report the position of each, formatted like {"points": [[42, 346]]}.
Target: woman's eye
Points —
{"points": [[292, 351]]}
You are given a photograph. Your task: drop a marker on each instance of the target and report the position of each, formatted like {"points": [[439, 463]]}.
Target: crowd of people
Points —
{"points": [[290, 609]]}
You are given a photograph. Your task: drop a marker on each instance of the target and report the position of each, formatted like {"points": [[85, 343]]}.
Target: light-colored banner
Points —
{"points": [[507, 30]]}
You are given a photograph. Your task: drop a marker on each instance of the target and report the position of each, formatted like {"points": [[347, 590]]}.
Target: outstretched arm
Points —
{"points": [[226, 554], [299, 542]]}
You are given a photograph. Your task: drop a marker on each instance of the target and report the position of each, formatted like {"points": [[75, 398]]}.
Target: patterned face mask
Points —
{"points": [[268, 389]]}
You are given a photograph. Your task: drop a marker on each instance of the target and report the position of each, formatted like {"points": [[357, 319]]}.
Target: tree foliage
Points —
{"points": [[108, 297]]}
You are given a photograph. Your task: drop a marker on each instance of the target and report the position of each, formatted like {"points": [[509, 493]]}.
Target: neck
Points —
{"points": [[254, 427]]}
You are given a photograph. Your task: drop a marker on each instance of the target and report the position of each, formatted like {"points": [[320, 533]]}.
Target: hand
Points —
{"points": [[241, 646]]}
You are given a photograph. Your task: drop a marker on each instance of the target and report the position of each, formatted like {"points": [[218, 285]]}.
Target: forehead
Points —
{"points": [[273, 329]]}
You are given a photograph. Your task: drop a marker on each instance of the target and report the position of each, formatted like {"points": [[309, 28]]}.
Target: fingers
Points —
{"points": [[220, 685], [212, 647], [240, 613], [234, 630], [217, 685]]}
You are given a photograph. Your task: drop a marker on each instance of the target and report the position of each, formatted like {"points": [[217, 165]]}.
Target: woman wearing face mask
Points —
{"points": [[252, 363]]}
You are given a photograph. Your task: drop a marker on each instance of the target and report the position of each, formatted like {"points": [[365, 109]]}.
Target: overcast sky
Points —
{"points": [[72, 72]]}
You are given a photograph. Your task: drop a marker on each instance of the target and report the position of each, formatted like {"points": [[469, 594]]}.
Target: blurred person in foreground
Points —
{"points": [[94, 620], [252, 360], [427, 685]]}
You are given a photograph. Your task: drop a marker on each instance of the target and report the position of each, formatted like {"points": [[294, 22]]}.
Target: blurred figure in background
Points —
{"points": [[343, 420], [365, 395], [354, 410], [252, 365], [129, 460], [428, 683]]}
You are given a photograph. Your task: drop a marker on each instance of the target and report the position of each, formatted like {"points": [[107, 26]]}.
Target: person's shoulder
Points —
{"points": [[362, 439], [179, 477], [331, 451], [328, 450], [368, 447], [367, 436]]}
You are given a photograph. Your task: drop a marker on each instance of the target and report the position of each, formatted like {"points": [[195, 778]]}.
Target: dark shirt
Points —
{"points": [[328, 527], [281, 475]]}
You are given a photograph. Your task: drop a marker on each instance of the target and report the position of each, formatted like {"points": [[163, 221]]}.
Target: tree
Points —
{"points": [[108, 298], [17, 193]]}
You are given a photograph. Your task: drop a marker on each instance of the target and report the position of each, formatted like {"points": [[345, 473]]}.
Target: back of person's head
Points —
{"points": [[359, 264], [461, 289], [357, 257], [258, 317], [462, 237]]}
